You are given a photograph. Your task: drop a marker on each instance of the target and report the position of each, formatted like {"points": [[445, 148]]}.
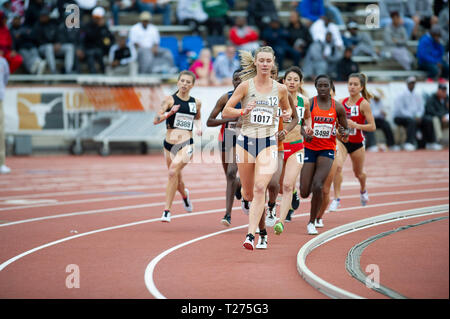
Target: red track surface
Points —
{"points": [[52, 200]]}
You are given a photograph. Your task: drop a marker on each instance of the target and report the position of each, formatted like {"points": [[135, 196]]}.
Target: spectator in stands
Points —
{"points": [[276, 36], [4, 76], [299, 37], [346, 66], [118, 6], [260, 13], [322, 58], [32, 12], [69, 37], [144, 36], [421, 12], [312, 10], [122, 59], [243, 36], [191, 13], [217, 16], [162, 61], [7, 50], [203, 69], [437, 108], [322, 26], [5, 6], [26, 45], [387, 7], [380, 114], [395, 42], [46, 34], [158, 6], [409, 113], [225, 64], [360, 42], [86, 8], [443, 23], [430, 54], [96, 40]]}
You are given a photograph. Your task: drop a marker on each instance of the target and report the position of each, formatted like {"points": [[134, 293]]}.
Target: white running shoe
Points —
{"points": [[5, 169], [249, 242], [165, 217], [311, 229], [271, 216], [189, 207], [364, 198], [334, 205], [262, 242], [318, 223], [409, 147], [245, 206]]}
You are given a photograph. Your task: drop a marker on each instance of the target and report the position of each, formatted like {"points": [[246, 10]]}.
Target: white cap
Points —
{"points": [[98, 12]]}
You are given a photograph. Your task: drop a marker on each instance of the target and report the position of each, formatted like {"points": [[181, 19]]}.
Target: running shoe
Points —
{"points": [[289, 216], [278, 228], [312, 229], [364, 198], [295, 200], [188, 207], [238, 193], [249, 242], [262, 240], [334, 205], [226, 220], [271, 216], [245, 206], [166, 216], [5, 169], [318, 223]]}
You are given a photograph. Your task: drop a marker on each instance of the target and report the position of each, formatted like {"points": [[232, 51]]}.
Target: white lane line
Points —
{"points": [[103, 210]]}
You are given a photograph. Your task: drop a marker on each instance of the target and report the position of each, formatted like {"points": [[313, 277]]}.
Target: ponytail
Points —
{"points": [[248, 62]]}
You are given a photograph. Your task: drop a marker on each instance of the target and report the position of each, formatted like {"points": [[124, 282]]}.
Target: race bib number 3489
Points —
{"points": [[184, 121], [323, 130]]}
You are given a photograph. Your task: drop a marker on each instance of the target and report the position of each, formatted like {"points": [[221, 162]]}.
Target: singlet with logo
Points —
{"points": [[184, 118], [323, 124], [262, 120], [353, 113]]}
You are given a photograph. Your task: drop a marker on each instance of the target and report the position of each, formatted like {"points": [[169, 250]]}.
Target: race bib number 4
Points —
{"points": [[323, 130], [261, 116], [183, 121]]}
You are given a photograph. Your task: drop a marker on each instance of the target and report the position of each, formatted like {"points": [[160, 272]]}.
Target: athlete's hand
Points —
{"points": [[308, 130], [249, 107], [175, 108], [286, 116], [307, 136], [281, 135], [351, 124]]}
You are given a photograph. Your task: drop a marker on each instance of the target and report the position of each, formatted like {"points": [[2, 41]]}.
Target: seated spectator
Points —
{"points": [[144, 36], [217, 16], [260, 13], [96, 40], [312, 10], [32, 12], [360, 42], [380, 114], [408, 112], [158, 6], [276, 36], [7, 51], [321, 27], [26, 45], [46, 34], [243, 36], [191, 13], [122, 58], [299, 37], [162, 62], [225, 64], [430, 54], [69, 37], [421, 12], [346, 66], [395, 42], [118, 6], [436, 108], [443, 24], [322, 58], [387, 7], [86, 9], [203, 69]]}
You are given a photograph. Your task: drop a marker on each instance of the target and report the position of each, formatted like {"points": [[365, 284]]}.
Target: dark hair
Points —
{"points": [[363, 81], [322, 76], [297, 70], [187, 72]]}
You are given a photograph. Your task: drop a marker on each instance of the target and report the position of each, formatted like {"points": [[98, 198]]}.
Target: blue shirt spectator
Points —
{"points": [[430, 54]]}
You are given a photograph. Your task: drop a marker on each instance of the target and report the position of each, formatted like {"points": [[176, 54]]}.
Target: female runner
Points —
{"points": [[357, 108], [181, 113], [227, 142], [293, 143], [256, 149], [320, 145]]}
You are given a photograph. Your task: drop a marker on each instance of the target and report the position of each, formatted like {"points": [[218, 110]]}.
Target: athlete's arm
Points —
{"points": [[212, 120], [198, 118], [286, 110], [342, 121], [307, 121], [238, 94], [365, 109], [162, 114], [290, 126]]}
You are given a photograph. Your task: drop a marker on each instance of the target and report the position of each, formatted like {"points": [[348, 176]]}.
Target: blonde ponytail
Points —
{"points": [[248, 62]]}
